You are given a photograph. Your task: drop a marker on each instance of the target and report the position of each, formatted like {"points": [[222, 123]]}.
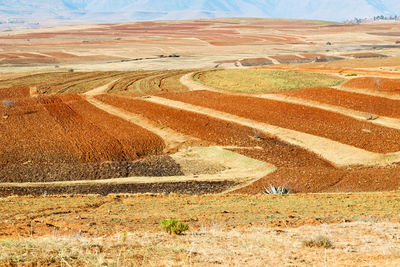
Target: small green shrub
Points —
{"points": [[318, 242], [173, 226], [350, 75], [272, 190]]}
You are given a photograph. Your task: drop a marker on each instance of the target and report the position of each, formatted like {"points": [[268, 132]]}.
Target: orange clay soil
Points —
{"points": [[301, 118], [361, 102], [298, 169], [330, 180], [375, 84], [14, 92], [220, 132], [68, 130], [103, 216]]}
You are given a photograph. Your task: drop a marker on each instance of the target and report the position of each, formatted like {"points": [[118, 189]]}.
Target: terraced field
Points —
{"points": [[349, 138]]}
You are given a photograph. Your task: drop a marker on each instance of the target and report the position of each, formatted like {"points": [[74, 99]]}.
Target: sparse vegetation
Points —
{"points": [[258, 81], [272, 190], [173, 226], [318, 242], [351, 74]]}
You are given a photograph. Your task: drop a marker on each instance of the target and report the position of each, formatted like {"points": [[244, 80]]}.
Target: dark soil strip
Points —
{"points": [[361, 102], [300, 118], [189, 188], [55, 171]]}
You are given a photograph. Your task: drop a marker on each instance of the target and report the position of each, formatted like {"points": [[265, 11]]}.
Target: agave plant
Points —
{"points": [[272, 190]]}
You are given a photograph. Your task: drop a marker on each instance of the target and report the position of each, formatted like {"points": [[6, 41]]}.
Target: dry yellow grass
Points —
{"points": [[258, 81], [355, 244]]}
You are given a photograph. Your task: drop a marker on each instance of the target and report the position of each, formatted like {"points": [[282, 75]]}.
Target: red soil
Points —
{"points": [[329, 180], [219, 132], [285, 57], [60, 54], [375, 84], [301, 118], [68, 129], [298, 170], [361, 102], [14, 92]]}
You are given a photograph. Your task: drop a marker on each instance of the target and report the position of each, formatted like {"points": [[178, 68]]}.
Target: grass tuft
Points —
{"points": [[318, 242]]}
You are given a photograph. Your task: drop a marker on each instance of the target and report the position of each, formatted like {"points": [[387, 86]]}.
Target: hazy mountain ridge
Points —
{"points": [[14, 13]]}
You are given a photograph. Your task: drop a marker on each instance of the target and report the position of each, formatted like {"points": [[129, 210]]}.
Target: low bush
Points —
{"points": [[318, 242], [173, 226]]}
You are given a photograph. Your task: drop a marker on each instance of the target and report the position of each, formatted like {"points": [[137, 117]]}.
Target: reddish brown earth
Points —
{"points": [[330, 180], [301, 118], [361, 102], [374, 84], [219, 132], [298, 169], [47, 132], [14, 92]]}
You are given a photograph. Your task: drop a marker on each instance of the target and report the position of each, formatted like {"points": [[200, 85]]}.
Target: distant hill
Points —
{"points": [[36, 13]]}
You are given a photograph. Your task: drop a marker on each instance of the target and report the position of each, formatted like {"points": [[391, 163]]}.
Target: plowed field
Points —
{"points": [[361, 102], [374, 84], [219, 132], [14, 92], [301, 118], [50, 132]]}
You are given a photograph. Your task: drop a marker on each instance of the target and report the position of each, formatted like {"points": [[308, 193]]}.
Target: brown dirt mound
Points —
{"points": [[374, 84], [361, 102], [301, 118]]}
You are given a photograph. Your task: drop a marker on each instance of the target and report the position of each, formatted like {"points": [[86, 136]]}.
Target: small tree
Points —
{"points": [[7, 104]]}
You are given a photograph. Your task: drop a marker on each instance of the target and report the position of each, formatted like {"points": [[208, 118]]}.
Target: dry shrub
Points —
{"points": [[318, 242]]}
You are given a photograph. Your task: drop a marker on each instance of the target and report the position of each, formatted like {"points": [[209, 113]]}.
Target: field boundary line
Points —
{"points": [[173, 140], [355, 114], [358, 115], [366, 92], [341, 155]]}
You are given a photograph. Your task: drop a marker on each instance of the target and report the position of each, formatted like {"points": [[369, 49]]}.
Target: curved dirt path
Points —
{"points": [[173, 140], [339, 154], [99, 90]]}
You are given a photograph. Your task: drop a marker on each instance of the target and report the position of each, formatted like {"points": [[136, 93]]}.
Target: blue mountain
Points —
{"points": [[93, 11]]}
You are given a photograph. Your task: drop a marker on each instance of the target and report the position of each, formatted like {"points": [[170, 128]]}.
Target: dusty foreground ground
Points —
{"points": [[223, 230]]}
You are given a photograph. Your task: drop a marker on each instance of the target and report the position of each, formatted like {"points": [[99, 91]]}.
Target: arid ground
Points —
{"points": [[108, 129]]}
